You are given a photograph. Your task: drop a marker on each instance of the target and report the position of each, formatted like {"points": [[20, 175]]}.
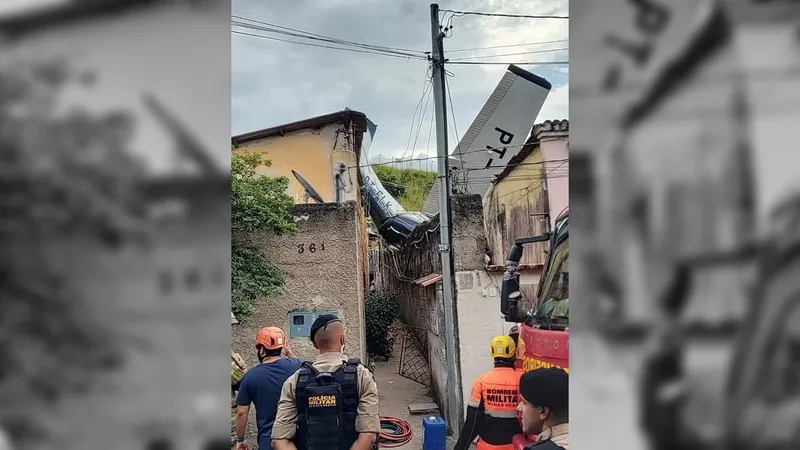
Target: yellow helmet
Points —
{"points": [[503, 347]]}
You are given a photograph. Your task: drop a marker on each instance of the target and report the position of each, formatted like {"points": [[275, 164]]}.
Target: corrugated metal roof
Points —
{"points": [[428, 280], [347, 116]]}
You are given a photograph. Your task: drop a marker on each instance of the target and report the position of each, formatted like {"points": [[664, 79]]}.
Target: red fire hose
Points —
{"points": [[394, 432]]}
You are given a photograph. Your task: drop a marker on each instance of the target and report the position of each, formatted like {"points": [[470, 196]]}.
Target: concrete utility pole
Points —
{"points": [[454, 402]]}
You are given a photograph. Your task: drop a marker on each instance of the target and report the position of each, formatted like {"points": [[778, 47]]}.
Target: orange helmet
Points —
{"points": [[271, 338]]}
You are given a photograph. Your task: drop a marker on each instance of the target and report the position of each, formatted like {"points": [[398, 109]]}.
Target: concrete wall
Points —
{"points": [[479, 318], [172, 331], [314, 154], [332, 278]]}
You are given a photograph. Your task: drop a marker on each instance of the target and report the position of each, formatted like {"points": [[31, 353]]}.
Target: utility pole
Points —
{"points": [[454, 402]]}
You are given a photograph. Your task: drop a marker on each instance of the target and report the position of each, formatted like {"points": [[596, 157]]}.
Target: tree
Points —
{"points": [[258, 203], [61, 175]]}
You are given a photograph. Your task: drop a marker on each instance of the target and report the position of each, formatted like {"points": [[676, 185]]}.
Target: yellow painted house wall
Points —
{"points": [[314, 155], [508, 209]]}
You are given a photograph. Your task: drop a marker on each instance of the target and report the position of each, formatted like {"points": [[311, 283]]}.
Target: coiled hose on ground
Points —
{"points": [[394, 432]]}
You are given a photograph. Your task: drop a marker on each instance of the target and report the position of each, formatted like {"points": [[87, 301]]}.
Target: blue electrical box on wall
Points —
{"points": [[300, 322]]}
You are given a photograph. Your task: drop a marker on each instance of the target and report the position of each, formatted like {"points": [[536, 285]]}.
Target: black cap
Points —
{"points": [[322, 322], [546, 388]]}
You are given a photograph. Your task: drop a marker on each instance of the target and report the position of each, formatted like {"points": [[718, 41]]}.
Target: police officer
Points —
{"points": [[330, 404], [238, 368], [545, 408], [492, 405]]}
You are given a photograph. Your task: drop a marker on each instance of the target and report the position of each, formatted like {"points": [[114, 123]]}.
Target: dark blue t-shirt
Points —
{"points": [[262, 386]]}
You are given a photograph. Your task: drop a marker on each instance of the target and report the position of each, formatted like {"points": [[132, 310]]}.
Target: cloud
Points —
{"points": [[276, 82]]}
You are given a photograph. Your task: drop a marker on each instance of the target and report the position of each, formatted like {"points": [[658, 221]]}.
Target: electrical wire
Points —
{"points": [[427, 158], [526, 63], [558, 41], [486, 14], [426, 87], [394, 433], [314, 36], [242, 33], [531, 186], [419, 125], [511, 54], [453, 114]]}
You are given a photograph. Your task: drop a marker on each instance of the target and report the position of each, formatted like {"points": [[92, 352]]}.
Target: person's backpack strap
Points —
{"points": [[347, 377], [305, 375], [546, 444]]}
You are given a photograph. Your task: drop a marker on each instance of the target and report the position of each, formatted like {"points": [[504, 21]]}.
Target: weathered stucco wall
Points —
{"points": [[479, 318], [330, 278], [517, 207], [314, 154], [168, 301]]}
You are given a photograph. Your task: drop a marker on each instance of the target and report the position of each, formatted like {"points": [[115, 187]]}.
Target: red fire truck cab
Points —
{"points": [[543, 339]]}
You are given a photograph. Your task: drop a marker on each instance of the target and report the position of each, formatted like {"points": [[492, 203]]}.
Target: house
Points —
{"points": [[526, 198], [321, 152], [326, 261], [157, 297]]}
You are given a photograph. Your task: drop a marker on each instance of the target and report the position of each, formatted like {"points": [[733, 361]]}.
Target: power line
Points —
{"points": [[426, 87], [511, 54], [528, 187], [559, 41], [310, 35], [520, 16], [527, 63], [325, 46], [454, 155], [453, 113], [424, 113], [537, 178], [327, 40]]}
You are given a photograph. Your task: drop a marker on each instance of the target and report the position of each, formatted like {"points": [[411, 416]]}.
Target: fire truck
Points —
{"points": [[542, 330]]}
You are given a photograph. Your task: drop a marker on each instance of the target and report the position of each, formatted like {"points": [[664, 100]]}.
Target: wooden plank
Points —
{"points": [[416, 409]]}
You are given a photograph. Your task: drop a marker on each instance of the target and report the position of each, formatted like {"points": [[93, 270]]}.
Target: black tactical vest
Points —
{"points": [[327, 405]]}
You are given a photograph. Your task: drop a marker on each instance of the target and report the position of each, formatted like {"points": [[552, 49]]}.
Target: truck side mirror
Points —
{"points": [[510, 290]]}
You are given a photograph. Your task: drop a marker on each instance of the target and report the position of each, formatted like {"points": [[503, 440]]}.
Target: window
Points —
{"points": [[554, 302], [582, 185], [501, 224]]}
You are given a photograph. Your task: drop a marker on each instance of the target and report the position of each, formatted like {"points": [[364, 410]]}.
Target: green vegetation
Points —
{"points": [[381, 309], [66, 176], [257, 203], [408, 186]]}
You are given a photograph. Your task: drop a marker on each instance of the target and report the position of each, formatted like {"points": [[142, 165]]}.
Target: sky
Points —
{"points": [[275, 82]]}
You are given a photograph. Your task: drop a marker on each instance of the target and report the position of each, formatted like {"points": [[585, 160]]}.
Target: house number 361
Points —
{"points": [[312, 248]]}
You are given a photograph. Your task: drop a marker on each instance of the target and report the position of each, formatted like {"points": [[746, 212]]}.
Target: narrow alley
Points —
{"points": [[396, 392]]}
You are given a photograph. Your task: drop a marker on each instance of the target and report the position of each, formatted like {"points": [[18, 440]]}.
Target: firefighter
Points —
{"points": [[331, 404], [261, 385], [238, 368], [492, 405], [545, 408]]}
